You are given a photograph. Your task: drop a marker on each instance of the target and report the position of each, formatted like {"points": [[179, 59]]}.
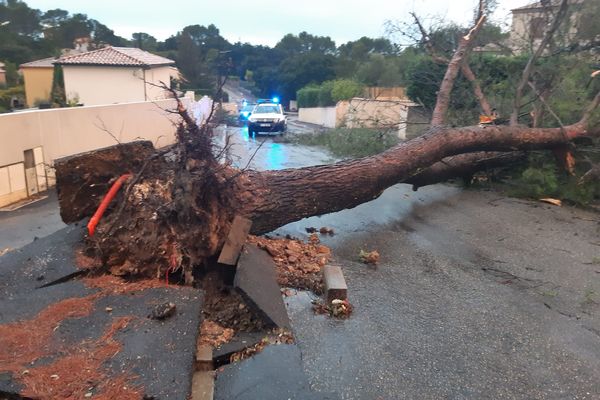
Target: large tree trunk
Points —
{"points": [[276, 198], [176, 211]]}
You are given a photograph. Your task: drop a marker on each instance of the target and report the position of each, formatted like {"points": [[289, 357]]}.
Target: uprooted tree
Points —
{"points": [[175, 211]]}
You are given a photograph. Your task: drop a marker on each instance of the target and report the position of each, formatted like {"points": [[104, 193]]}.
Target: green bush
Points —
{"points": [[308, 96], [351, 143], [325, 99], [540, 177], [7, 95], [345, 89], [328, 93], [540, 181]]}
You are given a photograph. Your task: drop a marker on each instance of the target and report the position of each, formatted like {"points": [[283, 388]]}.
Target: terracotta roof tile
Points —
{"points": [[116, 56], [44, 62]]}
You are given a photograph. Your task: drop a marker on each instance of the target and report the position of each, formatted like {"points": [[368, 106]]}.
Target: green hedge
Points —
{"points": [[328, 93]]}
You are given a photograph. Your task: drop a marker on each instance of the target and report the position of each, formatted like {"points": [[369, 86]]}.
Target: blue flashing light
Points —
{"points": [[275, 99], [245, 113]]}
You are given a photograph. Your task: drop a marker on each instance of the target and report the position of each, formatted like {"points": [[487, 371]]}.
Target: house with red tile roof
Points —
{"points": [[115, 75]]}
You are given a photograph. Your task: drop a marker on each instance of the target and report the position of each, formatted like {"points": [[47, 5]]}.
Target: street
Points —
{"points": [[476, 295]]}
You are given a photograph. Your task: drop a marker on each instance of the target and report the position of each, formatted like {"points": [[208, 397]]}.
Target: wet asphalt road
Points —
{"points": [[476, 296]]}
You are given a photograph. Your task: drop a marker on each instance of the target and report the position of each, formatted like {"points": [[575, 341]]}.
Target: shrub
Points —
{"points": [[325, 99], [345, 89], [328, 93], [351, 143], [308, 96]]}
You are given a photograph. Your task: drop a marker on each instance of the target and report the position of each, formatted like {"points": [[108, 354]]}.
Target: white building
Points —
{"points": [[116, 75]]}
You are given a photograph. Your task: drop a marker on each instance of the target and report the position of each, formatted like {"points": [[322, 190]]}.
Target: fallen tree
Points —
{"points": [[175, 211]]}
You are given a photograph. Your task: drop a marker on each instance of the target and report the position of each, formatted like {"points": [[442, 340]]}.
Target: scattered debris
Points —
{"points": [[554, 202], [298, 264], [225, 306], [337, 309], [369, 257], [163, 311], [6, 250], [322, 230], [276, 337], [313, 239], [213, 334], [326, 231]]}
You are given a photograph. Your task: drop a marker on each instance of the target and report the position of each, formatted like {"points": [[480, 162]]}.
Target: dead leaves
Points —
{"points": [[369, 257], [299, 264], [338, 308], [213, 334], [278, 337]]}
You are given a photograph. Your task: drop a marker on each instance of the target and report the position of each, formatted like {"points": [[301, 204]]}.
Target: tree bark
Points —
{"points": [[275, 198], [461, 54], [468, 73]]}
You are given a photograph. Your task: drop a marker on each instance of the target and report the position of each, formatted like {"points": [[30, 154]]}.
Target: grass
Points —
{"points": [[350, 142], [589, 297]]}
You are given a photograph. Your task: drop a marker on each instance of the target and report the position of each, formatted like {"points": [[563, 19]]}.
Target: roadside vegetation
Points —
{"points": [[350, 142]]}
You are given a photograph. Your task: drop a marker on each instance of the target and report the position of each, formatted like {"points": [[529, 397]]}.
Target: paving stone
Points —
{"points": [[235, 240], [274, 374], [256, 278], [204, 358], [335, 284], [203, 385]]}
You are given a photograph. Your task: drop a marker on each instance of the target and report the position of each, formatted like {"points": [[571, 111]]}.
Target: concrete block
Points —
{"points": [[235, 240], [256, 278], [203, 385], [204, 358], [335, 284]]}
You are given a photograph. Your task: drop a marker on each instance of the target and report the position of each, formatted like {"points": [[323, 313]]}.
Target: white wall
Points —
{"points": [[66, 131], [57, 133], [154, 77], [12, 184], [93, 85], [325, 116]]}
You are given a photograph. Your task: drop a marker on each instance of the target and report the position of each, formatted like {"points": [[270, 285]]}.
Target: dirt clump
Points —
{"points": [[226, 307]]}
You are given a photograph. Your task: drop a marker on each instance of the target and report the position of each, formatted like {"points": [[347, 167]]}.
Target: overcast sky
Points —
{"points": [[266, 21]]}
